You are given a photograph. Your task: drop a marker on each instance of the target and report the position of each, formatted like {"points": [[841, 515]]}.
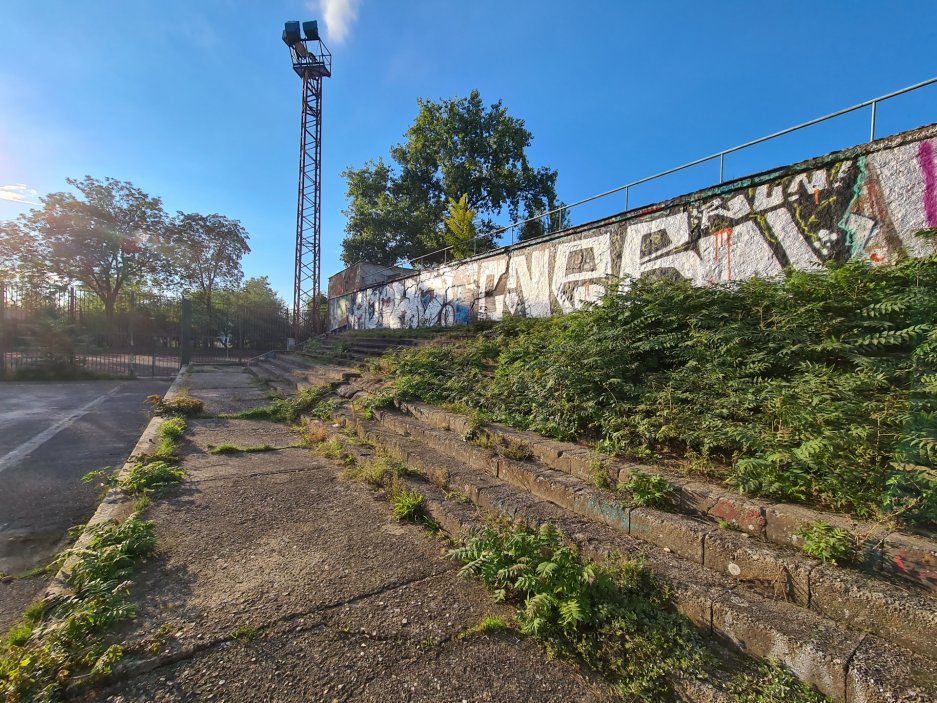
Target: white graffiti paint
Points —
{"points": [[867, 202]]}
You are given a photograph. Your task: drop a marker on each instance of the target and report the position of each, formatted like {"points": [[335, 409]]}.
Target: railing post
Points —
{"points": [[872, 129], [722, 166], [3, 320], [627, 196], [185, 332], [132, 314]]}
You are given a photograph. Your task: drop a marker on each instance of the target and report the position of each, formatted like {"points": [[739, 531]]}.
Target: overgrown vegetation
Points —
{"points": [[614, 617], [819, 387], [831, 545], [772, 683], [64, 641], [309, 401]]}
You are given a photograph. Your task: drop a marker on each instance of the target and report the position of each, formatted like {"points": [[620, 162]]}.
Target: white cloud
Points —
{"points": [[339, 15], [18, 193]]}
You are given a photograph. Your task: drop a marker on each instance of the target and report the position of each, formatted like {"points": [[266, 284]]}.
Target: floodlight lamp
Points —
{"points": [[311, 30], [291, 33]]}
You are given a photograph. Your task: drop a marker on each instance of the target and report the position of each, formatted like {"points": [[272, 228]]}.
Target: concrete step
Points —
{"points": [[459, 519], [892, 553], [842, 663], [857, 600]]}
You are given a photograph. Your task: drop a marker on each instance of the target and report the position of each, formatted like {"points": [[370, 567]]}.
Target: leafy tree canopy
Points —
{"points": [[455, 149], [207, 252], [110, 236]]}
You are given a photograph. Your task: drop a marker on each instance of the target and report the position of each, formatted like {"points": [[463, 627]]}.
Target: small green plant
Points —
{"points": [[376, 401], [171, 432], [235, 449], [647, 490], [245, 632], [407, 505], [378, 473], [182, 404], [489, 623], [831, 545], [598, 472], [150, 477], [476, 421], [772, 683]]}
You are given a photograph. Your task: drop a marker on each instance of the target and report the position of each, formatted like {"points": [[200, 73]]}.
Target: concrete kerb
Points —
{"points": [[117, 505]]}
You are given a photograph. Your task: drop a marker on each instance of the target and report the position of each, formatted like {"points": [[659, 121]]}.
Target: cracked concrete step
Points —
{"points": [[899, 554], [846, 665], [860, 602], [287, 378]]}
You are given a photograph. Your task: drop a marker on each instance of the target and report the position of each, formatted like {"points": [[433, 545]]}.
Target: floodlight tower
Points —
{"points": [[312, 62]]}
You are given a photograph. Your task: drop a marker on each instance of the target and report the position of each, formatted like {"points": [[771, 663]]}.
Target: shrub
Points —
{"points": [[615, 618], [651, 490], [831, 545]]}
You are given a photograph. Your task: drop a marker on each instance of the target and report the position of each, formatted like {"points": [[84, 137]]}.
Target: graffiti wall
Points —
{"points": [[866, 202]]}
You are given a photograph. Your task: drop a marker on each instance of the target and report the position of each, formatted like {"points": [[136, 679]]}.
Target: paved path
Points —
{"points": [[51, 434], [276, 579]]}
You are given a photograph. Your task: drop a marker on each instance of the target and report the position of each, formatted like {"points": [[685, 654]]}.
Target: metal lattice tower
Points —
{"points": [[312, 62]]}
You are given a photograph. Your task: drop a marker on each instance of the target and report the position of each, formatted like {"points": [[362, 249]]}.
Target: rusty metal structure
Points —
{"points": [[312, 62]]}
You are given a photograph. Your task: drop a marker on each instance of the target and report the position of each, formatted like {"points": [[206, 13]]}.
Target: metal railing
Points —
{"points": [[495, 234]]}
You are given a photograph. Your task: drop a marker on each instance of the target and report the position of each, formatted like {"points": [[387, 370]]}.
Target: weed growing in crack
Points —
{"points": [[647, 490], [245, 632], [150, 478], [380, 472], [407, 505], [374, 402], [598, 472], [831, 545], [489, 623]]}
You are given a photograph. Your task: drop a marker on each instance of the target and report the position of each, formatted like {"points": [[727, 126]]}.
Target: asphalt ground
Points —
{"points": [[51, 434]]}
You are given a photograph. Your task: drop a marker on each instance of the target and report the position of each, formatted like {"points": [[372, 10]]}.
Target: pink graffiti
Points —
{"points": [[925, 156]]}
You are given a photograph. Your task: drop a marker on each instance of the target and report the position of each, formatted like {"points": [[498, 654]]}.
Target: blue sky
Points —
{"points": [[195, 100]]}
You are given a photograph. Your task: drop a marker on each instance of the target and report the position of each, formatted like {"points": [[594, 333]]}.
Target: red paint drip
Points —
{"points": [[718, 235]]}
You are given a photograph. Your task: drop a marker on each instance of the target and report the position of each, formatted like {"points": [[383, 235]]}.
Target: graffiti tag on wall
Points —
{"points": [[867, 206]]}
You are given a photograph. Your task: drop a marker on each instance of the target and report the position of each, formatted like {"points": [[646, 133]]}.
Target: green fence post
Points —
{"points": [[185, 333]]}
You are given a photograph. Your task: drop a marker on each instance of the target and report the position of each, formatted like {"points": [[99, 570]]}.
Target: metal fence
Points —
{"points": [[56, 332]]}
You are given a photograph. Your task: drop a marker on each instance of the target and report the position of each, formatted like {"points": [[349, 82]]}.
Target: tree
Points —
{"points": [[453, 148], [111, 237], [460, 227], [207, 252]]}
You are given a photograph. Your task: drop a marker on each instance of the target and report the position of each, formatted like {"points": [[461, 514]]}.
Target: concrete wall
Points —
{"points": [[865, 202]]}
